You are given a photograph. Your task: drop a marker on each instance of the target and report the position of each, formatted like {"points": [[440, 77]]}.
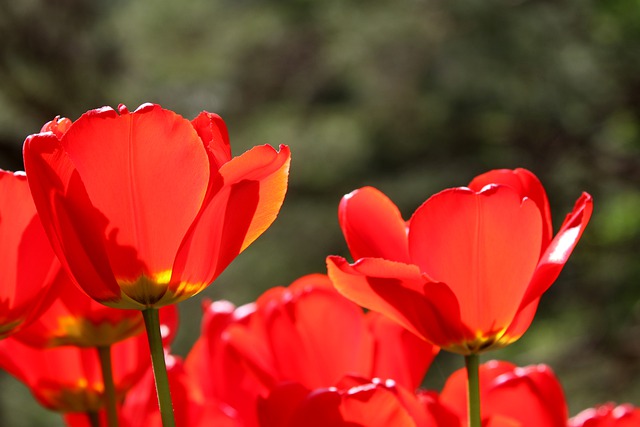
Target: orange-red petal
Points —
{"points": [[76, 319], [607, 415], [373, 226], [363, 404], [400, 292], [485, 246], [28, 264], [213, 132], [237, 210], [527, 185], [74, 226], [147, 172], [529, 396], [213, 357], [286, 321], [68, 378], [557, 253], [399, 354]]}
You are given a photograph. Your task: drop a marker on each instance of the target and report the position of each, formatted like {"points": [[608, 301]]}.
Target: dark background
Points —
{"points": [[409, 96]]}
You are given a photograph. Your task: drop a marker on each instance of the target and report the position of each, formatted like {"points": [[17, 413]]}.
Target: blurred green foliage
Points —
{"points": [[410, 96]]}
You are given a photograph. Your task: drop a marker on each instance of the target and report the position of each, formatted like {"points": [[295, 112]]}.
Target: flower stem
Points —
{"points": [[94, 418], [472, 363], [104, 353], [152, 324]]}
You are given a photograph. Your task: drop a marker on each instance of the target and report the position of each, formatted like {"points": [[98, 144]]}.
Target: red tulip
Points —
{"points": [[353, 402], [28, 264], [75, 319], [467, 271], [309, 324], [69, 379], [146, 209], [510, 396], [306, 334], [607, 415]]}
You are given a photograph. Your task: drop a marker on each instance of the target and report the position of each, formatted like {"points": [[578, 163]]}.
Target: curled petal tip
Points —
{"points": [[145, 107]]}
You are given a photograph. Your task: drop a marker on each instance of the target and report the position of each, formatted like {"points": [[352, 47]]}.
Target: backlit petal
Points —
{"points": [[241, 206], [400, 292], [557, 253], [287, 321], [373, 226], [213, 132], [527, 185], [520, 323], [76, 319], [484, 246], [146, 172], [76, 229], [27, 262]]}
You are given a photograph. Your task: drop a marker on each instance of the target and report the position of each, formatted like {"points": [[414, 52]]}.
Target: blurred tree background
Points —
{"points": [[410, 96]]}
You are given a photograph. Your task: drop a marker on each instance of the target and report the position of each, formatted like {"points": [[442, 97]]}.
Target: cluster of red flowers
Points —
{"points": [[130, 211]]}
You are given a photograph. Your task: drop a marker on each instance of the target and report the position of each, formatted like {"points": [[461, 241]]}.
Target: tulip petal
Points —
{"points": [[279, 407], [365, 405], [75, 234], [213, 132], [527, 185], [143, 171], [284, 336], [76, 319], [484, 246], [292, 322], [557, 253], [400, 292], [531, 395], [399, 354], [358, 405], [68, 378], [27, 262], [212, 356], [237, 210], [520, 323], [607, 415], [373, 226]]}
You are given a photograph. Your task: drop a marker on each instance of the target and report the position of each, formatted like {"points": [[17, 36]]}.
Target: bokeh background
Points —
{"points": [[410, 96]]}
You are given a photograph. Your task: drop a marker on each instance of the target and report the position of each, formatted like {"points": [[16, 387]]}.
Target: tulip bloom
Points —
{"points": [[305, 334], [309, 324], [69, 379], [28, 265], [192, 410], [75, 319], [146, 208], [607, 415], [467, 271]]}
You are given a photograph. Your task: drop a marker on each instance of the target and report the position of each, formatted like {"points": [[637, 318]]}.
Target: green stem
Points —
{"points": [[472, 363], [94, 418], [104, 353], [152, 324]]}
